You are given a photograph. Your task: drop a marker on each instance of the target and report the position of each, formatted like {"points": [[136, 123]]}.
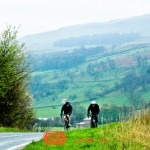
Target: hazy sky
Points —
{"points": [[36, 16]]}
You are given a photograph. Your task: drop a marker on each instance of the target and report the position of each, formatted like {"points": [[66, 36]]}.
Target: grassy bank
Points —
{"points": [[131, 135]]}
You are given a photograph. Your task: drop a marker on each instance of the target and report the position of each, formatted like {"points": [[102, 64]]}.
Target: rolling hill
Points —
{"points": [[102, 77], [44, 42], [107, 62]]}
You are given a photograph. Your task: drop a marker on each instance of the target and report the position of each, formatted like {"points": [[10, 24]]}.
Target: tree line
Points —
{"points": [[99, 39], [108, 114], [64, 60]]}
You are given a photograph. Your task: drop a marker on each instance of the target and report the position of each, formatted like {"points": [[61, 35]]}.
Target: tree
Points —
{"points": [[79, 113], [111, 63], [135, 99], [91, 95], [15, 101], [130, 82]]}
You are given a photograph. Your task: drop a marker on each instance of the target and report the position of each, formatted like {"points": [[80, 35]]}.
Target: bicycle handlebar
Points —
{"points": [[93, 115]]}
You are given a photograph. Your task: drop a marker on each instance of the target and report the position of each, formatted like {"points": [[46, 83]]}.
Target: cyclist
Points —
{"points": [[67, 109], [94, 108]]}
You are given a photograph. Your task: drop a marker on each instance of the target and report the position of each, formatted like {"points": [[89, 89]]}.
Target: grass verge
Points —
{"points": [[4, 129], [131, 135]]}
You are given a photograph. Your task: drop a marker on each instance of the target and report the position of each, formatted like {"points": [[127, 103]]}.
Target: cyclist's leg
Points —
{"points": [[65, 117], [68, 116], [91, 120], [65, 121], [96, 119]]}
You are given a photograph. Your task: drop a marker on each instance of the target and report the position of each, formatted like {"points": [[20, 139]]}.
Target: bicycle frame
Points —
{"points": [[93, 124], [66, 121]]}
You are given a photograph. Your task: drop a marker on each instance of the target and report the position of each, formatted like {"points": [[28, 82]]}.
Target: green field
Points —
{"points": [[79, 82]]}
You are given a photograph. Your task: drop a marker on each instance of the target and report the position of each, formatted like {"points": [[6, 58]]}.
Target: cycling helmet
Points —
{"points": [[67, 103], [93, 102]]}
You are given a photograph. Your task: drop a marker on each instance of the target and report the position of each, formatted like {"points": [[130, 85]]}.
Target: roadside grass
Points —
{"points": [[130, 135], [5, 129]]}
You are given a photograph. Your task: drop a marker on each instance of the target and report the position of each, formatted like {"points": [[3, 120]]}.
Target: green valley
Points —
{"points": [[102, 76]]}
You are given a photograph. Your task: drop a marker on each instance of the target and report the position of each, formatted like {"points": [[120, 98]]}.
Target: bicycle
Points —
{"points": [[66, 122], [93, 120]]}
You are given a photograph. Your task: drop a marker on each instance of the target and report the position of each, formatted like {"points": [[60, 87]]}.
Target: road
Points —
{"points": [[16, 141]]}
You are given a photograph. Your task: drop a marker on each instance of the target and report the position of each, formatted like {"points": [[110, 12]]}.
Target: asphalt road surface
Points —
{"points": [[16, 141]]}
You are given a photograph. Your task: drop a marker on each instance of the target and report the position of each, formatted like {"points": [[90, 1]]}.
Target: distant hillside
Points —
{"points": [[120, 76], [44, 41], [98, 39]]}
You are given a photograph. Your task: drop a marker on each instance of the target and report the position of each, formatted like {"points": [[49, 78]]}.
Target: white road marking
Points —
{"points": [[18, 146]]}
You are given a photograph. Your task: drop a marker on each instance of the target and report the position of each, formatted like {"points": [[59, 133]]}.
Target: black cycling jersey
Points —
{"points": [[66, 109], [94, 109]]}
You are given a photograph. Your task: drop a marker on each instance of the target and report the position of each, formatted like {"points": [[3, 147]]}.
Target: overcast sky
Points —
{"points": [[36, 16]]}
